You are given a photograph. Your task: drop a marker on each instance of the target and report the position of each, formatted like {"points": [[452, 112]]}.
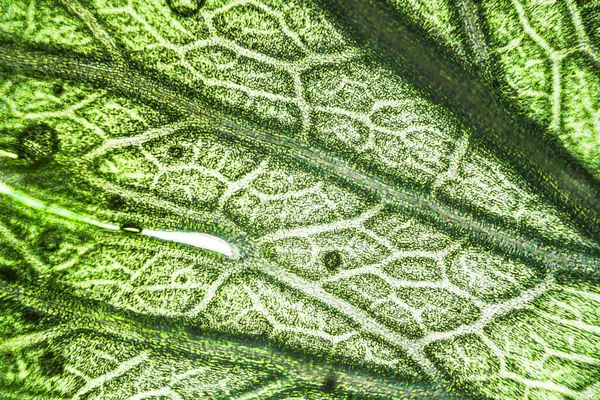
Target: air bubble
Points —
{"points": [[37, 144]]}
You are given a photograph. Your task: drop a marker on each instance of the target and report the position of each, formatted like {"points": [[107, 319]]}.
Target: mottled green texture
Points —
{"points": [[544, 53], [375, 234]]}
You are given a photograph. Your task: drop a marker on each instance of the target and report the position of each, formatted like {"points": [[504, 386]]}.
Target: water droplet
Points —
{"points": [[185, 8], [332, 260], [37, 144], [51, 363], [50, 240], [131, 227]]}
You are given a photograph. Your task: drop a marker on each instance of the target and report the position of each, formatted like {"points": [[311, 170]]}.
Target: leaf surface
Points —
{"points": [[543, 55], [373, 230]]}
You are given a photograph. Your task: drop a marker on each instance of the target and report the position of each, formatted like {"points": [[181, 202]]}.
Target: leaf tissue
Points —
{"points": [[285, 199]]}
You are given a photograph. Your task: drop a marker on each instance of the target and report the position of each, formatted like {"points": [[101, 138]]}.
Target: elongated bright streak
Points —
{"points": [[8, 154], [34, 203], [194, 239]]}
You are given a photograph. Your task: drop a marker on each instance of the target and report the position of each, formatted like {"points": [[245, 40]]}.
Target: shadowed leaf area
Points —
{"points": [[265, 199]]}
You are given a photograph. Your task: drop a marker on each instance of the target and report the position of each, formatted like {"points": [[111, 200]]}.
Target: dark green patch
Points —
{"points": [[58, 89], [194, 332], [115, 202], [51, 363], [31, 316], [330, 383], [50, 240], [185, 8], [37, 144], [176, 151], [332, 260], [8, 274]]}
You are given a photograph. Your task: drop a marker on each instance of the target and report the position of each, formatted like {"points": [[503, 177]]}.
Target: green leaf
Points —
{"points": [[69, 349], [543, 54], [258, 171]]}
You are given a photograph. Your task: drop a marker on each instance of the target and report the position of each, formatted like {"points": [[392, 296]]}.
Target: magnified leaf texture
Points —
{"points": [[285, 199]]}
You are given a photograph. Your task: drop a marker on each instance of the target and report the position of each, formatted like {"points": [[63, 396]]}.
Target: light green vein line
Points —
{"points": [[194, 239], [8, 154], [54, 209]]}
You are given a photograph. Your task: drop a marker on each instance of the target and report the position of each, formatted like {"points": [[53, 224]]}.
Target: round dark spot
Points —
{"points": [[330, 383], [194, 331], [58, 89], [37, 144], [181, 279], [8, 274], [332, 260], [115, 202], [131, 227], [185, 8], [175, 151], [50, 240], [31, 316], [51, 363]]}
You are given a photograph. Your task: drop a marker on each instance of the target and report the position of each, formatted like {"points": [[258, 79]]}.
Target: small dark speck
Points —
{"points": [[330, 383], [194, 332], [175, 151], [37, 144], [31, 316], [115, 202], [58, 89], [185, 8], [50, 240], [332, 260]]}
